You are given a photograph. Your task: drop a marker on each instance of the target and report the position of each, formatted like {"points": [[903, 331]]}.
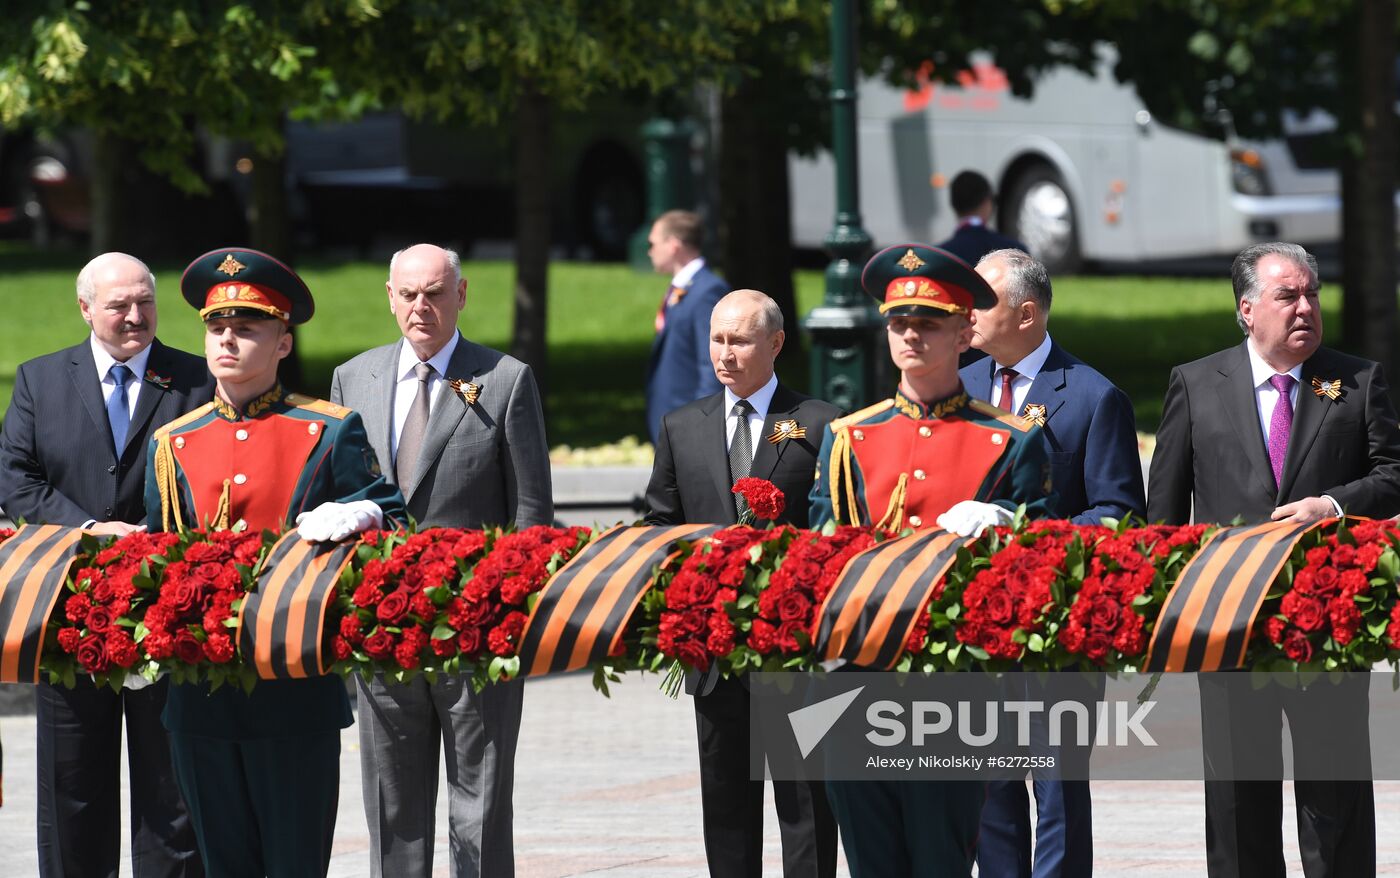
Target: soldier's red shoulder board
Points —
{"points": [[991, 411], [187, 418], [319, 406], [856, 417]]}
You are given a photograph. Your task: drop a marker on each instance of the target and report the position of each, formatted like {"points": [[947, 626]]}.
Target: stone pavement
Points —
{"points": [[610, 789]]}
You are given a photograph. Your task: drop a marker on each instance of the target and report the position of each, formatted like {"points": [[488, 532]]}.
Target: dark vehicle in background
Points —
{"points": [[43, 190]]}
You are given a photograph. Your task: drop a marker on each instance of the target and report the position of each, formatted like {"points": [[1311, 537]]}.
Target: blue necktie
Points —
{"points": [[118, 414]]}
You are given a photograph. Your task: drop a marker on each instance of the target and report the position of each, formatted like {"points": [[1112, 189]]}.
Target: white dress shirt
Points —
{"points": [[406, 386], [1026, 370], [760, 399], [687, 273], [105, 362]]}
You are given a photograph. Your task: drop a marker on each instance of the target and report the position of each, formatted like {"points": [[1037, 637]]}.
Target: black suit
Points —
{"points": [[1210, 450], [58, 466], [690, 483]]}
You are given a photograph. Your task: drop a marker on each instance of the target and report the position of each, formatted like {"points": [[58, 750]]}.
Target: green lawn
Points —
{"points": [[600, 326]]}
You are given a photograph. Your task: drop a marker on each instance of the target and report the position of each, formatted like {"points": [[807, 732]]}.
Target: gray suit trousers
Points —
{"points": [[400, 730]]}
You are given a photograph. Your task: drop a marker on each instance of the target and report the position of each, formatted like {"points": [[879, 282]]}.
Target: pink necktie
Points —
{"points": [[1280, 424]]}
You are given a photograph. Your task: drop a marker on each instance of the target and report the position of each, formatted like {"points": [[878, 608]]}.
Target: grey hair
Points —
{"points": [[1244, 274], [1027, 278], [770, 316], [454, 262], [87, 286]]}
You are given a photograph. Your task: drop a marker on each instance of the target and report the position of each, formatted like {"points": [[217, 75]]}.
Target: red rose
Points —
{"points": [[1328, 580], [702, 589], [1344, 556], [121, 648], [1096, 645], [209, 573], [340, 648], [764, 497], [469, 641], [68, 639], [99, 620], [199, 553], [692, 653], [218, 648], [1305, 612], [1103, 615], [92, 654], [379, 645], [1296, 646], [508, 559], [999, 606], [180, 596], [465, 613], [394, 607], [793, 606], [187, 648]]}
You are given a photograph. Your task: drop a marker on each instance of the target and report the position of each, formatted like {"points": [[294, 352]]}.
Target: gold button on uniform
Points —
{"points": [[915, 521], [925, 432], [239, 479], [858, 434], [241, 435], [920, 474], [996, 438], [179, 441], [312, 428]]}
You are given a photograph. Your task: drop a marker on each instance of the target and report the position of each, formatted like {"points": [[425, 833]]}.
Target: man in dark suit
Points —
{"points": [[459, 428], [1094, 468], [1252, 432], [974, 203], [679, 370], [754, 427], [73, 452]]}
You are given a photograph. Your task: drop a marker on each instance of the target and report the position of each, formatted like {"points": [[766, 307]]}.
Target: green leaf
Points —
{"points": [[443, 632], [1035, 643]]}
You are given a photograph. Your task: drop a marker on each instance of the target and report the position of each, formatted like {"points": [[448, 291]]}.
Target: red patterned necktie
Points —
{"points": [[1008, 375]]}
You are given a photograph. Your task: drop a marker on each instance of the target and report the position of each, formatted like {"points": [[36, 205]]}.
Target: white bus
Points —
{"points": [[1082, 171]]}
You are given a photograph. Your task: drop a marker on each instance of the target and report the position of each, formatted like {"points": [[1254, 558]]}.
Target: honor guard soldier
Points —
{"points": [[930, 455], [260, 772]]}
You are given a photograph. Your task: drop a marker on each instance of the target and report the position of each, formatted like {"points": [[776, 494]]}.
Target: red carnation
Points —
{"points": [[219, 648], [367, 596], [764, 497], [121, 648], [351, 629], [445, 647], [68, 639], [77, 608]]}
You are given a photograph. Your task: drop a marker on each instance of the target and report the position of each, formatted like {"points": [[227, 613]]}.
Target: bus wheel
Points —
{"points": [[1038, 212]]}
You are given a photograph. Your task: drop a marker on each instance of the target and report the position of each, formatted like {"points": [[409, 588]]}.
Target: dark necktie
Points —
{"points": [[118, 409], [741, 452], [1280, 425], [1008, 375], [411, 437]]}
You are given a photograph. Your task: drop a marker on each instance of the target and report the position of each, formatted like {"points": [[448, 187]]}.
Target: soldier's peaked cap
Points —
{"points": [[239, 282], [916, 280]]}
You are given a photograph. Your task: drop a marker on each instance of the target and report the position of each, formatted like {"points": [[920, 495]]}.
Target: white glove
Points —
{"points": [[969, 518], [333, 522]]}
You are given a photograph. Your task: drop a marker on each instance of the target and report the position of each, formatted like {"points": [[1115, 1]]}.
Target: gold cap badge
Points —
{"points": [[230, 266], [910, 262]]}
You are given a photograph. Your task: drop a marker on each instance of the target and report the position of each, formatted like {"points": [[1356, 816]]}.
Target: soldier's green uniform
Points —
{"points": [[902, 463], [259, 772]]}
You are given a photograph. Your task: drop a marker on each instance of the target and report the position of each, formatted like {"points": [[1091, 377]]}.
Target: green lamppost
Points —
{"points": [[670, 183], [844, 365]]}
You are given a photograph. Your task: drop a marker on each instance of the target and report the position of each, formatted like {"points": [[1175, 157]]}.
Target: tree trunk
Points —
{"points": [[755, 209], [1375, 268], [532, 230], [271, 229], [112, 227]]}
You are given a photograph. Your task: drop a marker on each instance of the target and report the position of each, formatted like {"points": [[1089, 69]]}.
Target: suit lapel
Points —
{"points": [[978, 379], [82, 371], [378, 409], [448, 411], [1236, 390], [1308, 414], [714, 446], [1048, 388], [149, 394], [768, 454]]}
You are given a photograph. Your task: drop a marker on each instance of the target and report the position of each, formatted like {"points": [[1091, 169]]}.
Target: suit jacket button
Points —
{"points": [[112, 469], [108, 512], [915, 521]]}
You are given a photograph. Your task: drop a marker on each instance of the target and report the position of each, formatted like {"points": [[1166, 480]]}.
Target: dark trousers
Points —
{"points": [[263, 806], [1064, 833], [78, 766], [908, 829], [732, 804], [1241, 727]]}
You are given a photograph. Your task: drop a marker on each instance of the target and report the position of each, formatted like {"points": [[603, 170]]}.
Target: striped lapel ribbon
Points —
{"points": [[282, 624], [584, 607], [33, 565], [1208, 615], [870, 611]]}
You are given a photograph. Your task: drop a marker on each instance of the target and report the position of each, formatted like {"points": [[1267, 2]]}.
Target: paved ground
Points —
{"points": [[609, 788]]}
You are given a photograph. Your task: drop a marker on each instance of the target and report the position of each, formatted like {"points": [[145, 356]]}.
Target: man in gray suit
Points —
{"points": [[459, 428]]}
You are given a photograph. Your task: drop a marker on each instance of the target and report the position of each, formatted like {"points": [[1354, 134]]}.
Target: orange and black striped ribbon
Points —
{"points": [[871, 609], [282, 624], [584, 607], [33, 565], [1208, 615]]}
